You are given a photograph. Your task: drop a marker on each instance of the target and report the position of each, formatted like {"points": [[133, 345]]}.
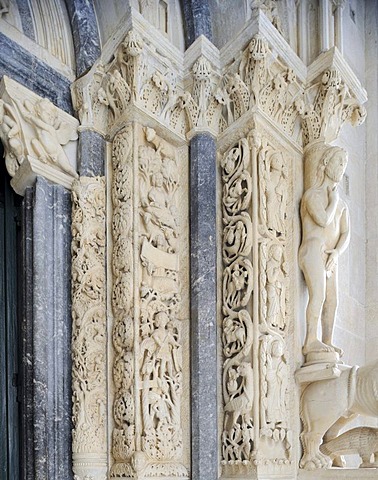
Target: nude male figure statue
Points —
{"points": [[325, 224]]}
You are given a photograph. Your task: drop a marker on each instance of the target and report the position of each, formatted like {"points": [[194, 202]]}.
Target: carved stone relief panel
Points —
{"points": [[258, 324], [89, 339], [38, 138], [150, 329]]}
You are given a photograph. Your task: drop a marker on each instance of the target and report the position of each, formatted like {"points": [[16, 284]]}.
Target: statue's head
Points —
{"points": [[336, 161], [333, 163]]}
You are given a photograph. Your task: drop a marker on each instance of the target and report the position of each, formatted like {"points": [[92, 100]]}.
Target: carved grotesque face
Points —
{"points": [[336, 166]]}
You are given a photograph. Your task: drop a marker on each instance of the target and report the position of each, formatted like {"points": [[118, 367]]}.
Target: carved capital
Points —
{"points": [[38, 137], [326, 106]]}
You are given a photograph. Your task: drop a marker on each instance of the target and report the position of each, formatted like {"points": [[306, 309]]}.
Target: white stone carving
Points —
{"points": [[269, 7], [255, 369], [258, 79], [323, 417], [123, 438], [238, 388], [37, 136], [326, 106], [325, 223], [160, 351], [148, 379], [360, 440], [89, 340]]}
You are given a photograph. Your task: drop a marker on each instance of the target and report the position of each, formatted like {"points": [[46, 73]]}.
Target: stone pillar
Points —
{"points": [[324, 25], [339, 5], [203, 307], [46, 332], [92, 150]]}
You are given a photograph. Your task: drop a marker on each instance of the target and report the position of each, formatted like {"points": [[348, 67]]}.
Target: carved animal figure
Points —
{"points": [[328, 405], [361, 440]]}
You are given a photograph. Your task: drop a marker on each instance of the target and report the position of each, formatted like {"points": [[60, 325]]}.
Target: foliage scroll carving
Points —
{"points": [[89, 343]]}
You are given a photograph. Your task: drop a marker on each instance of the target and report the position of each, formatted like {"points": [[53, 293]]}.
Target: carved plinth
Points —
{"points": [[318, 371], [90, 465]]}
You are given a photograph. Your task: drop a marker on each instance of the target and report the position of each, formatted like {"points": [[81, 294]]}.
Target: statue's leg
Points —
{"points": [[333, 432], [39, 150], [329, 311], [366, 460], [314, 273]]}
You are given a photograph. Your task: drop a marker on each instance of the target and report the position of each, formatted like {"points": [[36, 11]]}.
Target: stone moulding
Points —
{"points": [[89, 339], [38, 137]]}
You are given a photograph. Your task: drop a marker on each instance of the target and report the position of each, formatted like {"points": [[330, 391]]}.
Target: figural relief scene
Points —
{"points": [[281, 111]]}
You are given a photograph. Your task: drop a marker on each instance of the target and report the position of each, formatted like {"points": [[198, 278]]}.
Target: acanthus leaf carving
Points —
{"points": [[326, 106]]}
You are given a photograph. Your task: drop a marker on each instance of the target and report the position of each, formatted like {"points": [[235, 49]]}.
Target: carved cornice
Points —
{"points": [[38, 137]]}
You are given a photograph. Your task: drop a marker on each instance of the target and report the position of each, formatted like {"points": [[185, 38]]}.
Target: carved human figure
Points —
{"points": [[325, 223], [165, 344], [241, 400], [9, 134], [51, 134], [277, 379], [276, 193], [275, 287]]}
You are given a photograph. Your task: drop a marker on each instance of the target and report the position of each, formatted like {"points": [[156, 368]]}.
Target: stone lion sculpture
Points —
{"points": [[328, 405]]}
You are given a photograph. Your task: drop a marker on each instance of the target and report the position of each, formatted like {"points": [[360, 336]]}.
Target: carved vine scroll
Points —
{"points": [[89, 341], [256, 371]]}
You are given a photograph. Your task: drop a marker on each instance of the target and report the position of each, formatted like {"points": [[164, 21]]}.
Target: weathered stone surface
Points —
{"points": [[197, 20], [92, 150], [85, 34], [28, 70], [26, 18], [46, 354], [203, 307]]}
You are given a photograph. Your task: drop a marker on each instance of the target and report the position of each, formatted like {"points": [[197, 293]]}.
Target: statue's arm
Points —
{"points": [[320, 215], [343, 242]]}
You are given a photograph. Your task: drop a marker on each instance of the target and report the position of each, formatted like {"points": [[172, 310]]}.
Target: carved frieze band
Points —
{"points": [[147, 371], [256, 198], [89, 340]]}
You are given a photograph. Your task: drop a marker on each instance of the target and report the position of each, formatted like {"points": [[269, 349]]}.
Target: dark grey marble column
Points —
{"points": [[85, 33], [203, 258], [47, 332], [197, 20], [92, 151]]}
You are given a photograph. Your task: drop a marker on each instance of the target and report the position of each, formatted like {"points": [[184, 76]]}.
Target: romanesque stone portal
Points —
{"points": [[259, 128]]}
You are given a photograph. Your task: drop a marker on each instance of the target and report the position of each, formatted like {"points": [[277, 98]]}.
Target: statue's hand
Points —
{"points": [[333, 256], [333, 194]]}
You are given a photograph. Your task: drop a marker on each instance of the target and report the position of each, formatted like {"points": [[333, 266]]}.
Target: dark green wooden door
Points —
{"points": [[9, 330]]}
